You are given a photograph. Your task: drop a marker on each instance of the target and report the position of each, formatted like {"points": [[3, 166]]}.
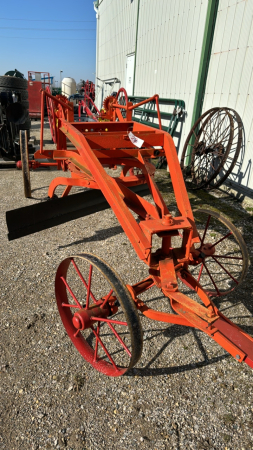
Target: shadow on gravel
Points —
{"points": [[99, 235], [146, 372], [173, 332]]}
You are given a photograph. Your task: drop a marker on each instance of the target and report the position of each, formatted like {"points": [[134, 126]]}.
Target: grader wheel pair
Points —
{"points": [[212, 148], [98, 312]]}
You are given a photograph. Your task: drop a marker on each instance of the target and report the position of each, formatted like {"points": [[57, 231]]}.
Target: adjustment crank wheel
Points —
{"points": [[98, 314], [122, 99], [223, 261]]}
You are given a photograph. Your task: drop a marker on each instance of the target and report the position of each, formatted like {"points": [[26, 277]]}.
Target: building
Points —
{"points": [[200, 51]]}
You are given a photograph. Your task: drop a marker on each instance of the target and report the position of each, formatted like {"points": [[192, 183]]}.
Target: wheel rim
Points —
{"points": [[233, 153], [208, 145], [226, 259], [98, 314]]}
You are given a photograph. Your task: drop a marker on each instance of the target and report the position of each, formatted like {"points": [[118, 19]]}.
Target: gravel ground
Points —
{"points": [[185, 392]]}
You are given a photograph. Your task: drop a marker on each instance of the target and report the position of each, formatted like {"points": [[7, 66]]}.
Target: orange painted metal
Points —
{"points": [[98, 145]]}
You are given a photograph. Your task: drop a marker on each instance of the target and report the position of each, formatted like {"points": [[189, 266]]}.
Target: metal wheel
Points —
{"points": [[207, 147], [51, 115], [223, 261], [25, 162], [233, 153], [122, 99], [98, 314]]}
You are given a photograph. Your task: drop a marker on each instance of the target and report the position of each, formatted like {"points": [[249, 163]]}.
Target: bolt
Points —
{"points": [[168, 220], [237, 356], [77, 323]]}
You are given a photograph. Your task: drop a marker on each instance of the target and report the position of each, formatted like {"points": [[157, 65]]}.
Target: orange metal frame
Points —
{"points": [[97, 145]]}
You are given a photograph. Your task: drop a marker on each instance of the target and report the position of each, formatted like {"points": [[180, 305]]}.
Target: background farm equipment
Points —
{"points": [[212, 148], [36, 82], [98, 311], [14, 113]]}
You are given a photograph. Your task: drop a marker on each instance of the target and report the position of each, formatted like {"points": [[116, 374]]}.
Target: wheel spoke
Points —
{"points": [[207, 225], [76, 333], [222, 239], [67, 305], [71, 293], [104, 348], [120, 340], [229, 274], [116, 322], [89, 288], [229, 257], [217, 290], [106, 299], [200, 272], [83, 280], [96, 345]]}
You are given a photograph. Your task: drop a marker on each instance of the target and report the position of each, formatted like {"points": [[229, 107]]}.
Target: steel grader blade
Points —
{"points": [[31, 219]]}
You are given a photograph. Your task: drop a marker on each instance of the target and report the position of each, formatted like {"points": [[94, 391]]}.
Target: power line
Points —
{"points": [[49, 20], [49, 29], [50, 39]]}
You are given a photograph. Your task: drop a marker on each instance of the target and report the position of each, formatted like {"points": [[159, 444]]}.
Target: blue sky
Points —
{"points": [[48, 37]]}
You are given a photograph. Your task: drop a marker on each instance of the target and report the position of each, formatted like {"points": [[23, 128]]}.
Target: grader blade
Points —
{"points": [[31, 219]]}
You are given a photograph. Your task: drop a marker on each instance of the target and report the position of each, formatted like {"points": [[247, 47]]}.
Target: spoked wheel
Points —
{"points": [[207, 147], [223, 261], [51, 115], [98, 314], [122, 99], [233, 153]]}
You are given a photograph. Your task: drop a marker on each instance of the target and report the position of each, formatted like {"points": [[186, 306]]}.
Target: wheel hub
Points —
{"points": [[202, 149], [208, 249], [84, 318]]}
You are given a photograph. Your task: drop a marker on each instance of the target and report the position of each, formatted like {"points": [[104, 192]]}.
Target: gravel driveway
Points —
{"points": [[185, 392]]}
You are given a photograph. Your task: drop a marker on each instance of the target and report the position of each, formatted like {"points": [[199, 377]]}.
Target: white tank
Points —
{"points": [[68, 86]]}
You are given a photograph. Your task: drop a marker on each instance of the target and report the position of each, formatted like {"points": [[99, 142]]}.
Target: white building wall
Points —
{"points": [[170, 35], [115, 39], [230, 77]]}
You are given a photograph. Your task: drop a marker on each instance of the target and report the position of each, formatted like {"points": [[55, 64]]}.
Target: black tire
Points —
{"points": [[25, 104], [22, 92], [13, 82], [24, 95], [26, 125]]}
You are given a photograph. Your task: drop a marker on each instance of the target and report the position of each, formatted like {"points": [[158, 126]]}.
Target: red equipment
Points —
{"points": [[89, 89], [97, 309], [86, 105], [36, 82]]}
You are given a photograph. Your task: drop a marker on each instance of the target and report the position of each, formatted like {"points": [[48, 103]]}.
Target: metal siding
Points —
{"points": [[169, 46], [176, 57], [230, 77]]}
